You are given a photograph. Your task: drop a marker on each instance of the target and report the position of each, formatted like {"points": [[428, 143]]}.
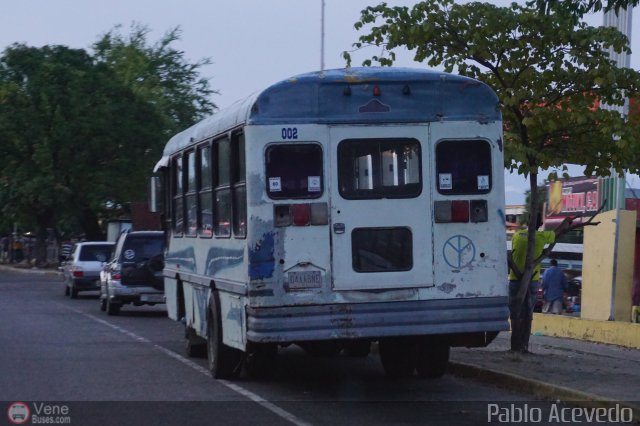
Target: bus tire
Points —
{"points": [[397, 356], [223, 361], [195, 346], [432, 358]]}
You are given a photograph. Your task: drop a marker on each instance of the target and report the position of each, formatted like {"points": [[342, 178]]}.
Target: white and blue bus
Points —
{"points": [[338, 209]]}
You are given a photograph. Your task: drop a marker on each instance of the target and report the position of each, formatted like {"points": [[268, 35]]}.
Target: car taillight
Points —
{"points": [[78, 273], [116, 275]]}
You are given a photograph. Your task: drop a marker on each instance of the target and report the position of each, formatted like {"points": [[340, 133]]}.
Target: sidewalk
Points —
{"points": [[585, 373]]}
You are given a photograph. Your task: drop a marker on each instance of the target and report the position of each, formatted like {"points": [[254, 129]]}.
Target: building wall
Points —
{"points": [[598, 263]]}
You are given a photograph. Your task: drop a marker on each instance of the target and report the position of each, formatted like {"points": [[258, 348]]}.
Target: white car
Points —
{"points": [[81, 270]]}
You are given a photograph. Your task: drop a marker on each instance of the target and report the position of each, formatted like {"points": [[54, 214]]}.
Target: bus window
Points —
{"points": [[381, 249], [178, 203], [463, 167], [223, 189], [294, 171], [191, 219], [205, 192], [379, 168], [239, 186]]}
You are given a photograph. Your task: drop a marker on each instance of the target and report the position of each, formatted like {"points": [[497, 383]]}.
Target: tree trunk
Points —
{"points": [[44, 221], [521, 311], [90, 225]]}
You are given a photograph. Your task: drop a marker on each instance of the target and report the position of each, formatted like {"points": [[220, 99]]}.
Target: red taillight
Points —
{"points": [[456, 211], [301, 214], [115, 275], [78, 274], [460, 211]]}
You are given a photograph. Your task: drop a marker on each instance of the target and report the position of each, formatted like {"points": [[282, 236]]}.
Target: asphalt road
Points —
{"points": [[131, 369]]}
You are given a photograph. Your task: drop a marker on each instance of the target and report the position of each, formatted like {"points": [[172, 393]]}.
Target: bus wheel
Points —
{"points": [[260, 360], [432, 358], [195, 346], [397, 356], [223, 361]]}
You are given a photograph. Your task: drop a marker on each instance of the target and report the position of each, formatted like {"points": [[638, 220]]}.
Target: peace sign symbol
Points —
{"points": [[459, 251]]}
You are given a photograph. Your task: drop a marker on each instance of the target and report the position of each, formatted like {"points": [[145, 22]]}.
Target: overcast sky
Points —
{"points": [[252, 43]]}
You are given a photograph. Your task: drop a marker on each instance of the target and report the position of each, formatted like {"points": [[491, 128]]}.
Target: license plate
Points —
{"points": [[305, 279], [156, 298]]}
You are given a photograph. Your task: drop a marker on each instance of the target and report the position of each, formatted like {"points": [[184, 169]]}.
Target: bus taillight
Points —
{"points": [[301, 214], [456, 211]]}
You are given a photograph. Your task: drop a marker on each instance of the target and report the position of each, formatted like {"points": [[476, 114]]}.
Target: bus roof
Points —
{"points": [[346, 96]]}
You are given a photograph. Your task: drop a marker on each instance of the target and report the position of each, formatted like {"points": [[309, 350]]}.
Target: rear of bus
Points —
{"points": [[376, 214]]}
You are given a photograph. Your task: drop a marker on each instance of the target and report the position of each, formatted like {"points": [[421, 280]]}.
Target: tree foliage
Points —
{"points": [[69, 136], [158, 73], [80, 132], [551, 72]]}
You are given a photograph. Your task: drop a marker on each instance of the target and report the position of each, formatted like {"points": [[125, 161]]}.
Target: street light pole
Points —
{"points": [[321, 35]]}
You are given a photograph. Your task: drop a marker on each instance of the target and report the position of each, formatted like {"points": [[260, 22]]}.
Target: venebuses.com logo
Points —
{"points": [[18, 413]]}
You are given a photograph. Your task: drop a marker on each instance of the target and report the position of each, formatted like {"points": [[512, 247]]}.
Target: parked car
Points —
{"points": [[134, 273], [81, 269]]}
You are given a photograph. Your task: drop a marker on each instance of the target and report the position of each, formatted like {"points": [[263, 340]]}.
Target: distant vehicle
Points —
{"points": [[134, 273], [81, 269], [335, 209]]}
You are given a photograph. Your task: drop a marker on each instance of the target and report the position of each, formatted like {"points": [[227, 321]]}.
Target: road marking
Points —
{"points": [[186, 361]]}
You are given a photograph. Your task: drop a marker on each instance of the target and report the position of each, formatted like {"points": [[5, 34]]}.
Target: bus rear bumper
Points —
{"points": [[453, 317]]}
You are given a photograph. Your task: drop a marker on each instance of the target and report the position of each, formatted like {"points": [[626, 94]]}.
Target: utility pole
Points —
{"points": [[322, 36]]}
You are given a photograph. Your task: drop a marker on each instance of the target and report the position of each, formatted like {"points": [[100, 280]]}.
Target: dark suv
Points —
{"points": [[134, 273]]}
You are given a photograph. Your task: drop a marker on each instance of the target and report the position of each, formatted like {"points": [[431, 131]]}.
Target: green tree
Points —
{"points": [[550, 70], [160, 74], [70, 135]]}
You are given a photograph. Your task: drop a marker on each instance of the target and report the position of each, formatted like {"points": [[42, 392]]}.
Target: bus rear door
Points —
{"points": [[380, 208]]}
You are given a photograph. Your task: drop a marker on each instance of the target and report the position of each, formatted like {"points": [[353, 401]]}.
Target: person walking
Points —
{"points": [[554, 285]]}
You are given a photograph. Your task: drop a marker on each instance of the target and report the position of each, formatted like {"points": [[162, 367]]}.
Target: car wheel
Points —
{"points": [[66, 290], [74, 291], [398, 357], [103, 304], [224, 362]]}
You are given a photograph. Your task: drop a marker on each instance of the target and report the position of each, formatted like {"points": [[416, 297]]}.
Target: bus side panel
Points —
{"points": [[232, 308], [170, 291]]}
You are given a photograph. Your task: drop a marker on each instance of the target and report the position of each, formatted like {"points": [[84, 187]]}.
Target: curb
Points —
{"points": [[537, 388], [34, 271]]}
